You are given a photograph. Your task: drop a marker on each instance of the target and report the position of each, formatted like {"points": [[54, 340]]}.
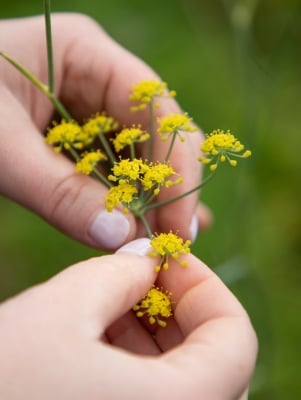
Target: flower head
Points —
{"points": [[167, 245], [156, 304], [65, 135], [99, 124], [129, 136], [123, 193], [175, 124], [145, 91], [158, 175], [127, 170], [89, 161], [221, 146]]}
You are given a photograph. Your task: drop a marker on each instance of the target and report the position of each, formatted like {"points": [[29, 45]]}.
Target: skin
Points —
{"points": [[74, 337], [92, 73]]}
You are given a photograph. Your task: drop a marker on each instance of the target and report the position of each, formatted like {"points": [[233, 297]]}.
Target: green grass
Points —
{"points": [[254, 243]]}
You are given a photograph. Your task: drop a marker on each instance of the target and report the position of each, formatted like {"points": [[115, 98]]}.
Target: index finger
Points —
{"points": [[220, 346]]}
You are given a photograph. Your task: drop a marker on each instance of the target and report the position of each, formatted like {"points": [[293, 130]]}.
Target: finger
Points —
{"points": [[129, 334], [220, 345], [113, 285], [72, 202]]}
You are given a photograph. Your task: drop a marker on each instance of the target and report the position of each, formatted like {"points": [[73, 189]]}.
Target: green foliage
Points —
{"points": [[247, 81]]}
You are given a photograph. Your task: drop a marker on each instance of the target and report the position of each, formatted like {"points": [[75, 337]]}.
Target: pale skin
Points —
{"points": [[65, 339], [92, 74]]}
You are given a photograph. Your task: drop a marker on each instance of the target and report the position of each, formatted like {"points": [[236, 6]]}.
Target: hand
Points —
{"points": [[93, 73], [65, 339]]}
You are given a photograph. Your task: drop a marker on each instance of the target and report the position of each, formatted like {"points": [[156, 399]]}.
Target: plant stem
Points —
{"points": [[171, 200], [107, 148], [170, 147], [146, 225], [49, 45], [151, 130]]}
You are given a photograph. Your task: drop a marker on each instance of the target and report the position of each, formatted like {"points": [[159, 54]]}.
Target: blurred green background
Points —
{"points": [[236, 65]]}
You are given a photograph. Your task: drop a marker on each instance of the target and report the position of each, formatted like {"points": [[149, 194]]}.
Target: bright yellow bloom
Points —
{"points": [[66, 135], [175, 124], [156, 304], [167, 245], [129, 136], [221, 146], [89, 161], [145, 91], [99, 124], [128, 170], [123, 193], [157, 175]]}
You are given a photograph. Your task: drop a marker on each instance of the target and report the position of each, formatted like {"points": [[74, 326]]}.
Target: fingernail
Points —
{"points": [[140, 247], [194, 227], [110, 229]]}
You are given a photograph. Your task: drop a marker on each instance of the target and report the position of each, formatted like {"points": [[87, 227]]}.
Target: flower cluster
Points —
{"points": [[135, 183], [220, 146], [167, 245], [156, 305]]}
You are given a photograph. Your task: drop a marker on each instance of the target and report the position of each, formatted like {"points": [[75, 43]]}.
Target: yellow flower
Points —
{"points": [[122, 193], [66, 135], [156, 304], [127, 170], [157, 175], [99, 124], [175, 124], [167, 245], [129, 136], [221, 146], [89, 161], [145, 91]]}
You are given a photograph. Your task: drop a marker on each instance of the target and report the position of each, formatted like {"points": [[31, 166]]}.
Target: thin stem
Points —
{"points": [[41, 86], [98, 175], [146, 225], [170, 147], [107, 148], [171, 200], [74, 153], [132, 151], [151, 130], [49, 45], [59, 107]]}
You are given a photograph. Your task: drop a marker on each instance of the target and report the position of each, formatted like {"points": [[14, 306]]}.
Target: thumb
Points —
{"points": [[46, 183], [102, 289]]}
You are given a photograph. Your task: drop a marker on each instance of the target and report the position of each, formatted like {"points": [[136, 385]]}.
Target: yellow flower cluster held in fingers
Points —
{"points": [[155, 305], [167, 245], [89, 161], [99, 124], [144, 92], [175, 124], [65, 135], [220, 146], [128, 137], [134, 182]]}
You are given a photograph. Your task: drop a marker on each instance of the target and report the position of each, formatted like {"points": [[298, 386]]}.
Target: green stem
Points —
{"points": [[41, 86], [59, 107], [107, 148], [132, 151], [171, 200], [49, 45], [171, 146], [98, 175], [151, 130], [74, 153], [146, 225]]}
